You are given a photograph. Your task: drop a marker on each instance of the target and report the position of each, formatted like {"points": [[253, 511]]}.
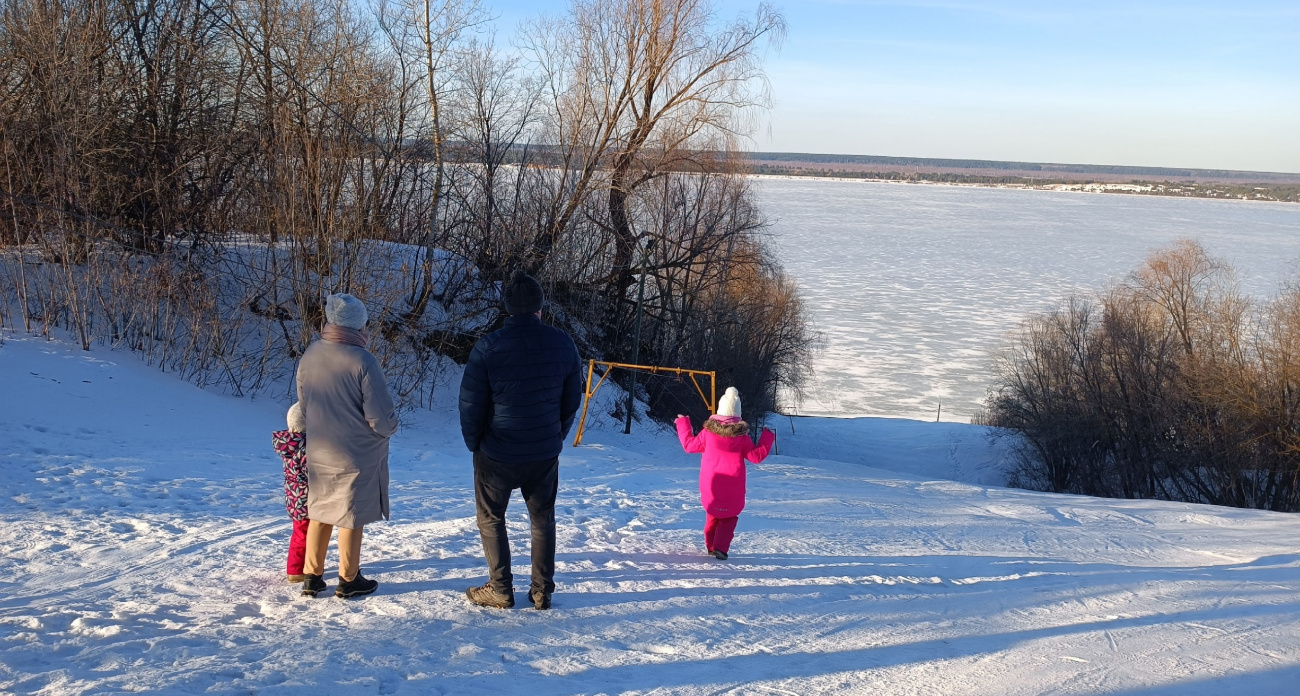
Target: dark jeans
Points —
{"points": [[538, 481]]}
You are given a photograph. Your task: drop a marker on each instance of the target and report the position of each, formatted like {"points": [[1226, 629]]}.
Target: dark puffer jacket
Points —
{"points": [[521, 389]]}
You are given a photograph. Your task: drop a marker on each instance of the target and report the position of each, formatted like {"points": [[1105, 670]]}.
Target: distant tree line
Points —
{"points": [[188, 178], [919, 177], [1281, 193], [1146, 173], [1287, 193], [1169, 385]]}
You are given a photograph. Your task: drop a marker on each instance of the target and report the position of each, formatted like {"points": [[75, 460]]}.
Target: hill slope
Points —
{"points": [[144, 541]]}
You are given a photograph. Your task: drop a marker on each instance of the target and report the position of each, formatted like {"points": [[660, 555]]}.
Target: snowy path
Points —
{"points": [[143, 539]]}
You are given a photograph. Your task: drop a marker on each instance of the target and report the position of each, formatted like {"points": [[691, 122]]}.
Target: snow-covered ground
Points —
{"points": [[143, 543]]}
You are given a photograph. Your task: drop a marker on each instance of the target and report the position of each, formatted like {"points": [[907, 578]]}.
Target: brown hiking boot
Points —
{"points": [[485, 596], [541, 600]]}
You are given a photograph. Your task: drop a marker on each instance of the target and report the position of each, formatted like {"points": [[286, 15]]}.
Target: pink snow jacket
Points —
{"points": [[725, 445], [293, 451]]}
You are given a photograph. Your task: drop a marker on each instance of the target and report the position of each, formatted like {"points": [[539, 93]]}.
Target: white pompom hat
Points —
{"points": [[729, 404], [345, 310], [297, 421]]}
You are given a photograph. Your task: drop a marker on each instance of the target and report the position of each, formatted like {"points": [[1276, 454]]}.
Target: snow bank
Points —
{"points": [[144, 541], [953, 451]]}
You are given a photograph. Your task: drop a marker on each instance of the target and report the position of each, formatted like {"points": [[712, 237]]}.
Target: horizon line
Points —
{"points": [[966, 162]]}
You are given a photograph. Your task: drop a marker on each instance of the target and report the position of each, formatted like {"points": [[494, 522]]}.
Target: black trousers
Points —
{"points": [[493, 483]]}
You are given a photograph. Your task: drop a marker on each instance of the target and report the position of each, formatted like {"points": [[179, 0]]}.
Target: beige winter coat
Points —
{"points": [[350, 416]]}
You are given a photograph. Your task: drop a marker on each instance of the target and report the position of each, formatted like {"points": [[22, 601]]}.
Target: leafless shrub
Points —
{"points": [[1170, 385]]}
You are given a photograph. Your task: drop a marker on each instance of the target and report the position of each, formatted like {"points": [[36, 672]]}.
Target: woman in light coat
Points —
{"points": [[350, 415]]}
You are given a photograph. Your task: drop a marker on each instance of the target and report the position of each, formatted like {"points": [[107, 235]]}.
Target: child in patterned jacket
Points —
{"points": [[291, 445]]}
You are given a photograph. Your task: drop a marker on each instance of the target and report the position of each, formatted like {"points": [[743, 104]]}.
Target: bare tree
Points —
{"points": [[496, 107], [635, 87], [431, 30]]}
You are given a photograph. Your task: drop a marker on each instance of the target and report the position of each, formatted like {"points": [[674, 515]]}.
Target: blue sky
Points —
{"points": [[1187, 84]]}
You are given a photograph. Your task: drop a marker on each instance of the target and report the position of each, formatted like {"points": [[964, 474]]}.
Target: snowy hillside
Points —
{"points": [[143, 542]]}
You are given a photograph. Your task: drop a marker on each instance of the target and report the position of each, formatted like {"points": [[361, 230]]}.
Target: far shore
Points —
{"points": [[1163, 189]]}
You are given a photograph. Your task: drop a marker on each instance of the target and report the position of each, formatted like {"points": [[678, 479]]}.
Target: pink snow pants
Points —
{"points": [[297, 547], [718, 532]]}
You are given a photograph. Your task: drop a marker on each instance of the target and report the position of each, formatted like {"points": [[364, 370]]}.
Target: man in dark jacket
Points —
{"points": [[521, 389]]}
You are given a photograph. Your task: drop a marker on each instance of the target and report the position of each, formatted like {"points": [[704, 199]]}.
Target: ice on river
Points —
{"points": [[914, 286]]}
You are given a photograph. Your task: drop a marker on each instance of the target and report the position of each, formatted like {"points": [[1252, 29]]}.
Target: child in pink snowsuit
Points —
{"points": [[725, 444], [291, 445]]}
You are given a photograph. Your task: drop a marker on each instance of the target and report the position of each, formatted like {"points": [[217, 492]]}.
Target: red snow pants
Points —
{"points": [[718, 532], [297, 547]]}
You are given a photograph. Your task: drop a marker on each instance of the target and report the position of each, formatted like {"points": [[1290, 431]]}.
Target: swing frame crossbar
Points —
{"points": [[711, 400]]}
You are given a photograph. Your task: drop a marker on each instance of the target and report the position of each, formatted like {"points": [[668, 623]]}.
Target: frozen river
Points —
{"points": [[915, 286]]}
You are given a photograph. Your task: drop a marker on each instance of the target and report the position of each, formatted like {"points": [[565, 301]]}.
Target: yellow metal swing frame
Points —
{"points": [[711, 400]]}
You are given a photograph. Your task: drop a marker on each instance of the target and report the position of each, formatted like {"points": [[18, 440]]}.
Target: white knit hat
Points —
{"points": [[729, 404], [345, 310], [297, 421]]}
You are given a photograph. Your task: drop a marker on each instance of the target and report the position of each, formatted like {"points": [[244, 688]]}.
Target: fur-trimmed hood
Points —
{"points": [[721, 429]]}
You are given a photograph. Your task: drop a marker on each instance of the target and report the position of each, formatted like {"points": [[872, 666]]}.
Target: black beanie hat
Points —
{"points": [[523, 294]]}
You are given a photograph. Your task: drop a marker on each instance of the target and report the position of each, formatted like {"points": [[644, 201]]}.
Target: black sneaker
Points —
{"points": [[313, 585], [485, 596], [540, 600], [720, 555], [356, 587]]}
